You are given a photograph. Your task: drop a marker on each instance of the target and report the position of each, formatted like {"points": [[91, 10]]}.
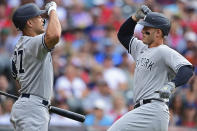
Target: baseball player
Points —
{"points": [[32, 66], [159, 70]]}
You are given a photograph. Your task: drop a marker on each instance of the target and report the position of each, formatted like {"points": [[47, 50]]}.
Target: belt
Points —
{"points": [[44, 102], [146, 101]]}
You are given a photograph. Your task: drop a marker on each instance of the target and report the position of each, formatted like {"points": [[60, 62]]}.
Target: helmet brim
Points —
{"points": [[42, 12], [144, 23]]}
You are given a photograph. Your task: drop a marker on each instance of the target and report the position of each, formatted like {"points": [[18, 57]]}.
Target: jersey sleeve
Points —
{"points": [[173, 59], [37, 47], [135, 47]]}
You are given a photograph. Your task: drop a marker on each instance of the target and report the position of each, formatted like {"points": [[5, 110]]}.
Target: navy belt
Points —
{"points": [[44, 102], [146, 101]]}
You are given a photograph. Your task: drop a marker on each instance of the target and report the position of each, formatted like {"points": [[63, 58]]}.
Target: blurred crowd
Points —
{"points": [[92, 70]]}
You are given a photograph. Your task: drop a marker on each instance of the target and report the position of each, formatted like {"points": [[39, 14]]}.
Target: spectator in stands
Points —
{"points": [[193, 56], [5, 117], [190, 19], [95, 75], [3, 37], [191, 41], [191, 93], [104, 12], [4, 54], [62, 14], [79, 41], [101, 92], [189, 115], [118, 82], [3, 86], [119, 106], [4, 20], [176, 110], [12, 39], [98, 117], [176, 38], [70, 87], [128, 67], [79, 17]]}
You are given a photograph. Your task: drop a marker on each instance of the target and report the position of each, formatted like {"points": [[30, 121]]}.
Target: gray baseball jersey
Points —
{"points": [[32, 66], [154, 67]]}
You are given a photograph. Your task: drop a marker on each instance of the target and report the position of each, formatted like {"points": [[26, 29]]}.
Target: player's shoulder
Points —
{"points": [[164, 48], [20, 44], [31, 40], [23, 40], [33, 37]]}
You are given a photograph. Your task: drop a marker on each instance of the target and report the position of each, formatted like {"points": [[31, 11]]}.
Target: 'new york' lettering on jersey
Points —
{"points": [[145, 62]]}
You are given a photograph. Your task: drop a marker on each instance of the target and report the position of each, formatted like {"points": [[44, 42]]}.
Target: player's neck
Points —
{"points": [[29, 33], [156, 43]]}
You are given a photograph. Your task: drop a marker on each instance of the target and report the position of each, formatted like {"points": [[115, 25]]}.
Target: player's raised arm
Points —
{"points": [[53, 31], [126, 31]]}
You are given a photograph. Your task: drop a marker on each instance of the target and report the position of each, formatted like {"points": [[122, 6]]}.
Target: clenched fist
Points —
{"points": [[141, 12], [50, 6]]}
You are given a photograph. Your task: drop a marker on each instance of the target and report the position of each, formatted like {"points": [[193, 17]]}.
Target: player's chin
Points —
{"points": [[144, 41], [42, 30]]}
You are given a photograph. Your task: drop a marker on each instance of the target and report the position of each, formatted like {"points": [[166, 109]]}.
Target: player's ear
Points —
{"points": [[159, 33], [29, 23]]}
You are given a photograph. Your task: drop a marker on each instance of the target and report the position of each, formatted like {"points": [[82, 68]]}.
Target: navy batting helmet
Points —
{"points": [[25, 12], [156, 20]]}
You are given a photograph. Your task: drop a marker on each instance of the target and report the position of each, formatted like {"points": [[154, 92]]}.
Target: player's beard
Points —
{"points": [[147, 40], [41, 30]]}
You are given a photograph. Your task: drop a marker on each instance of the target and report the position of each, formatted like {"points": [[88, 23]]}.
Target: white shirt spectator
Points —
{"points": [[90, 100], [74, 88], [114, 77]]}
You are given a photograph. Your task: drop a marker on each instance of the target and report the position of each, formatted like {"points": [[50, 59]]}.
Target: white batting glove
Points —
{"points": [[167, 90], [50, 6], [141, 12]]}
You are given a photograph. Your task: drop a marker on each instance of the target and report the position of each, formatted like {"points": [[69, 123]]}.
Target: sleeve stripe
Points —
{"points": [[43, 43], [130, 44]]}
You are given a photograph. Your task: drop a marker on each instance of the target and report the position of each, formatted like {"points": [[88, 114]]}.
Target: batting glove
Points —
{"points": [[50, 6], [167, 90], [141, 12]]}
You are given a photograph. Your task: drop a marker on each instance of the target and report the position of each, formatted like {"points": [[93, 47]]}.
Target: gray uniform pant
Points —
{"points": [[29, 114], [153, 116]]}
